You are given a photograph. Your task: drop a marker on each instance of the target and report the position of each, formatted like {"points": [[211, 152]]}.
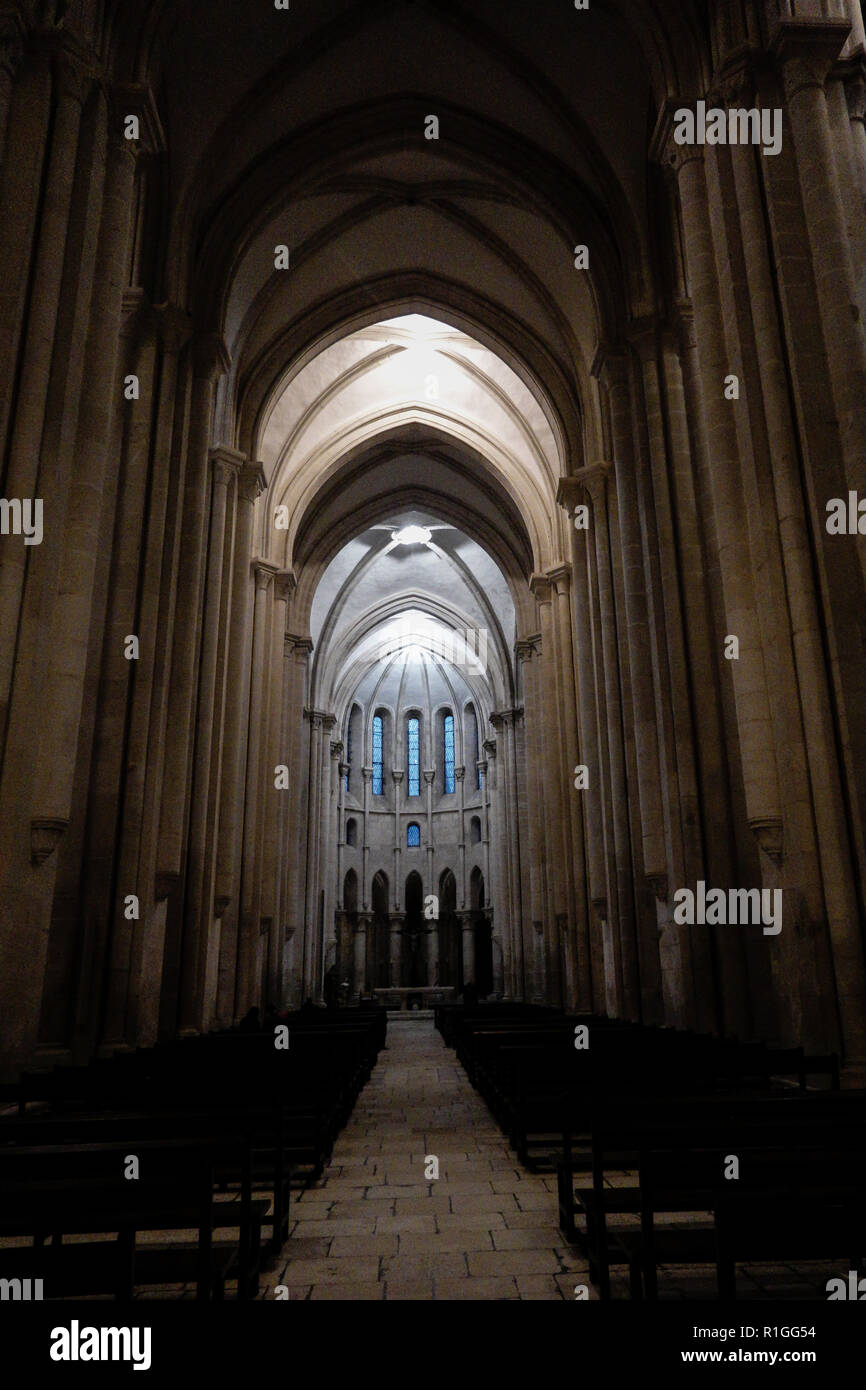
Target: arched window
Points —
{"points": [[413, 835], [475, 830], [377, 755], [448, 752], [414, 755], [351, 831]]}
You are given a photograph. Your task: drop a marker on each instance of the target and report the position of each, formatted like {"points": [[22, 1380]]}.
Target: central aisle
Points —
{"points": [[375, 1229]]}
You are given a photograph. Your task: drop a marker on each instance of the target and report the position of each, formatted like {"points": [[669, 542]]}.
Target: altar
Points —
{"points": [[405, 997]]}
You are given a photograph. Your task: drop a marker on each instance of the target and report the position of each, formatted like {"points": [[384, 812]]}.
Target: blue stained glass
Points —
{"points": [[377, 755], [413, 836], [414, 754], [348, 751], [449, 752]]}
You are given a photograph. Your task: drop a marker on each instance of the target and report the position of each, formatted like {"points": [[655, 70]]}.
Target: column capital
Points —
{"points": [[525, 648], [211, 357], [806, 50], [852, 72], [336, 749], [252, 481], [284, 585], [428, 774], [345, 769], [397, 775], [592, 480], [263, 573], [644, 334], [367, 774], [12, 40], [225, 464], [174, 324], [560, 578], [663, 148], [506, 718], [320, 719], [610, 365], [489, 746], [481, 765], [136, 99], [460, 773], [539, 587], [300, 646]]}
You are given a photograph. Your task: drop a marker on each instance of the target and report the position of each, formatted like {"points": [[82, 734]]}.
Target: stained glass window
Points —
{"points": [[377, 755], [414, 728], [348, 751], [449, 752], [413, 835]]}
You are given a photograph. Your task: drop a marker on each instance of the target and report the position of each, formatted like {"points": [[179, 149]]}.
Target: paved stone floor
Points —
{"points": [[487, 1229]]}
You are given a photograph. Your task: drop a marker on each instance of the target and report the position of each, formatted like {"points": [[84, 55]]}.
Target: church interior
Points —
{"points": [[432, 623]]}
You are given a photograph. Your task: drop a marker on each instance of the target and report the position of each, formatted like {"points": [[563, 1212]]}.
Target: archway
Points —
{"points": [[449, 932]]}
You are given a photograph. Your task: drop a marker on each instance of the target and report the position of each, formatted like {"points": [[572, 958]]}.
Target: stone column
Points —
{"points": [[35, 370], [199, 919], [806, 51], [828, 885], [749, 677], [571, 495], [527, 653], [12, 38], [459, 774], [367, 774], [359, 985], [211, 359], [250, 485], [298, 654], [397, 779], [504, 722], [248, 987], [613, 372], [467, 928], [276, 799], [397, 921]]}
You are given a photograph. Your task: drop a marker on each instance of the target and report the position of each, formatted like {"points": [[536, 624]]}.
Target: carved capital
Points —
{"points": [[211, 357], [251, 481], [12, 41], [489, 746], [367, 774], [263, 573], [336, 750], [560, 579], [164, 884], [806, 49], [460, 773], [658, 886], [301, 647], [610, 365], [525, 648], [45, 833], [769, 833], [136, 99], [540, 588], [284, 585], [852, 71], [664, 149], [225, 464]]}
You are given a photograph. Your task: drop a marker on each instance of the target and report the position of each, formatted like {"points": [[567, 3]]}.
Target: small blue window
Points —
{"points": [[377, 755], [414, 756], [413, 835], [449, 753]]}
